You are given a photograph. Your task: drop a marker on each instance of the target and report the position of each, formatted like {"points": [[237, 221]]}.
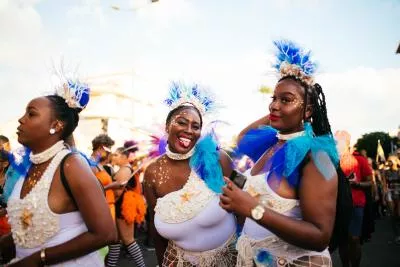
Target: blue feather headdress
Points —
{"points": [[180, 94], [75, 93], [292, 60]]}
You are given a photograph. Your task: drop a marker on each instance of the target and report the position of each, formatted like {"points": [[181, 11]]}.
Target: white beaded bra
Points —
{"points": [[257, 186], [184, 204], [32, 222]]}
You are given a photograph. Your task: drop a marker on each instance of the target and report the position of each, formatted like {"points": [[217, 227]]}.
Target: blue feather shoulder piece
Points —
{"points": [[286, 162], [19, 166], [255, 142], [205, 162]]}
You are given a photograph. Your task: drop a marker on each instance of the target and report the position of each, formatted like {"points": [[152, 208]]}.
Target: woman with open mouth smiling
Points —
{"points": [[182, 189]]}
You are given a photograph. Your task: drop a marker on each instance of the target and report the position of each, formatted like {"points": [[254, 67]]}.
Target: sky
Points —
{"points": [[225, 45]]}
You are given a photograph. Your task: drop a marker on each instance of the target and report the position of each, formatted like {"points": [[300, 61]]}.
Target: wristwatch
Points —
{"points": [[257, 212], [43, 257]]}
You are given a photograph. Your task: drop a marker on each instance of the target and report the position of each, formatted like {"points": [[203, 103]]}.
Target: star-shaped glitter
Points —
{"points": [[186, 196], [26, 218], [252, 191]]}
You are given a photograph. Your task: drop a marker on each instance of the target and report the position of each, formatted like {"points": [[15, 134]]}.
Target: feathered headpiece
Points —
{"points": [[75, 93], [180, 94], [292, 60]]}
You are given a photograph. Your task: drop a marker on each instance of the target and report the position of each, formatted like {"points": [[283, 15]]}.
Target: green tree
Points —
{"points": [[265, 89], [369, 142]]}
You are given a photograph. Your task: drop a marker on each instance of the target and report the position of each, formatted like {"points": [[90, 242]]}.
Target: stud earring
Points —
{"points": [[52, 131]]}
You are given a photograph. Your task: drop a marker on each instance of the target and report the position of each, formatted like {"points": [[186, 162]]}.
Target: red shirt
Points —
{"points": [[361, 171]]}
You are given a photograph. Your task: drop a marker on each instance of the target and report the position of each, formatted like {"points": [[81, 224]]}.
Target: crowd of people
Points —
{"points": [[60, 207]]}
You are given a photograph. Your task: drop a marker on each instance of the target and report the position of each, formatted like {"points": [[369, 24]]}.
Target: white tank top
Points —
{"points": [[192, 218], [35, 226]]}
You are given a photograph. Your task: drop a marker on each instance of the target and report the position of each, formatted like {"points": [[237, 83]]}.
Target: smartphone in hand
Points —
{"points": [[238, 179]]}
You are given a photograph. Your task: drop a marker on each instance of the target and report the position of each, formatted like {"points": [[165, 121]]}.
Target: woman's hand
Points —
{"points": [[236, 200]]}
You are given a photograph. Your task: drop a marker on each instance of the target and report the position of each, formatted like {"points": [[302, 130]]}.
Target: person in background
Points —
{"points": [[4, 164], [130, 206], [392, 178], [360, 176], [5, 143], [101, 152]]}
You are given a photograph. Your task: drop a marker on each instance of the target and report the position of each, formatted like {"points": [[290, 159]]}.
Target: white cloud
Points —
{"points": [[155, 44], [163, 12], [362, 100], [87, 9], [283, 4], [22, 39]]}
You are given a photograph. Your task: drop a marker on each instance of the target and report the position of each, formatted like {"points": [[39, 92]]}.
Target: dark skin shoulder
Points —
{"points": [[150, 192], [90, 202]]}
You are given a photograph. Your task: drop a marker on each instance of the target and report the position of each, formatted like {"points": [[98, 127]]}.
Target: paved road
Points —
{"points": [[379, 252]]}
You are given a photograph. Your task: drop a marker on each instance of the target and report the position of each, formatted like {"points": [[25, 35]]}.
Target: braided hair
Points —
{"points": [[316, 98]]}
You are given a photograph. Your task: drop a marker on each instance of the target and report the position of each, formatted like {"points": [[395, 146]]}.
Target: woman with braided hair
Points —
{"points": [[289, 199]]}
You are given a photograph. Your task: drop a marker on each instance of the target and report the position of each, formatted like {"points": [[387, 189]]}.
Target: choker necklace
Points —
{"points": [[286, 137], [177, 156], [47, 154]]}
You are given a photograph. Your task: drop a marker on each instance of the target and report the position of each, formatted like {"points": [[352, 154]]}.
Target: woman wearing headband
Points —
{"points": [[54, 200], [182, 188], [129, 206], [289, 199]]}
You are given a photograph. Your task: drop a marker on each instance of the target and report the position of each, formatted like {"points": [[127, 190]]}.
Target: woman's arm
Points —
{"points": [[7, 247], [254, 125], [122, 177], [160, 243], [114, 185], [92, 205], [226, 163], [317, 197]]}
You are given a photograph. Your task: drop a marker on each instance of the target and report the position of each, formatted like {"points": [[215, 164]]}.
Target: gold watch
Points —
{"points": [[257, 212], [43, 256]]}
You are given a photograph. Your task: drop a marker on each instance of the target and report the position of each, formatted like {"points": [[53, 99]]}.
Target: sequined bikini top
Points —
{"points": [[186, 203]]}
